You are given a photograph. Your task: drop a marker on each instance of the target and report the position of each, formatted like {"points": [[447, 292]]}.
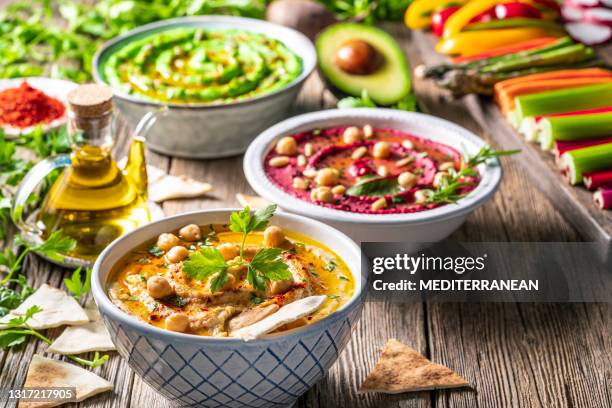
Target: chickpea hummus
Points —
{"points": [[153, 282], [367, 170], [191, 65]]}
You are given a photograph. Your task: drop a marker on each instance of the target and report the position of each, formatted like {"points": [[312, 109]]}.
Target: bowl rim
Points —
{"points": [[103, 301], [253, 164], [244, 23]]}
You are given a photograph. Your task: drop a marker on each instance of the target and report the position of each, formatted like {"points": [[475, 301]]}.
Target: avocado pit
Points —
{"points": [[358, 57]]}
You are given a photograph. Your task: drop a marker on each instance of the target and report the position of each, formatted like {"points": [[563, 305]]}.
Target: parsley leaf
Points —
{"points": [[55, 246], [246, 222], [10, 298], [266, 265], [204, 263], [156, 251], [75, 284]]}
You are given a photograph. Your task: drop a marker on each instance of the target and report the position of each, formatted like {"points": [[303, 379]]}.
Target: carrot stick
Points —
{"points": [[505, 97], [508, 49], [560, 74]]}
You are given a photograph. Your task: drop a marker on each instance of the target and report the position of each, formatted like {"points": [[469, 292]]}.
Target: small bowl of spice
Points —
{"points": [[27, 103]]}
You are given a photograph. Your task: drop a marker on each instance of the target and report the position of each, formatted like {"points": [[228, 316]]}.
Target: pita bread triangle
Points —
{"points": [[402, 369], [46, 373], [58, 309], [92, 336], [255, 202]]}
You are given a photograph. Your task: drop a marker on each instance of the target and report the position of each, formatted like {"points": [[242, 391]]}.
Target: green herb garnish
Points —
{"points": [[156, 251], [331, 266], [374, 187], [448, 190], [10, 299], [75, 284], [18, 330], [266, 265]]}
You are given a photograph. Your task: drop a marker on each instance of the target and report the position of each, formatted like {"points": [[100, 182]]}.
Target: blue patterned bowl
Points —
{"points": [[226, 372]]}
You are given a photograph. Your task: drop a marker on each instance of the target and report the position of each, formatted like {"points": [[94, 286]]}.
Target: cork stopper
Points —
{"points": [[90, 100]]}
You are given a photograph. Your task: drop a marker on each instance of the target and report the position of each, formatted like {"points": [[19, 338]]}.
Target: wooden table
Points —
{"points": [[514, 355]]}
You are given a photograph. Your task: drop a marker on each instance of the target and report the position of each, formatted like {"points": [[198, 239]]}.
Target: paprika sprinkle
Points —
{"points": [[25, 106]]}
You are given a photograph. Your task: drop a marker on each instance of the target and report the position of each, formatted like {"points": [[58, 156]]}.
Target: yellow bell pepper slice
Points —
{"points": [[458, 20], [474, 42], [418, 14]]}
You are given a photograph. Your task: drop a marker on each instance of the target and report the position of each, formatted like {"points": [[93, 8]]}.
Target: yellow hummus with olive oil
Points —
{"points": [[162, 282]]}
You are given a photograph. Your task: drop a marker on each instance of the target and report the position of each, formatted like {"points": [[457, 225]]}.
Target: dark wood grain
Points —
{"points": [[514, 355]]}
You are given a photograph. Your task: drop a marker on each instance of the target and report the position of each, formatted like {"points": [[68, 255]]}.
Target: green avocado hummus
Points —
{"points": [[193, 65]]}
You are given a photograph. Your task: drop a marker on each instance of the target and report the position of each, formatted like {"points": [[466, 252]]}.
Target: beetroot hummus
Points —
{"points": [[366, 170]]}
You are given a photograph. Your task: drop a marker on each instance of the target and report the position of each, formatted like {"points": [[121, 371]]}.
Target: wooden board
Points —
{"points": [[575, 203], [513, 355]]}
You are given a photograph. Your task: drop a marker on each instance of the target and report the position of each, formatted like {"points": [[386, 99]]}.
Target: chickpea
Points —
{"points": [[446, 166], [159, 287], [407, 180], [324, 194], [177, 254], [279, 161], [439, 178], [359, 153], [352, 134], [327, 176], [166, 241], [300, 183], [190, 232], [339, 190], [228, 250], [178, 322], [408, 144], [308, 149], [422, 196], [382, 171], [286, 146], [382, 150], [273, 236], [379, 204], [368, 131]]}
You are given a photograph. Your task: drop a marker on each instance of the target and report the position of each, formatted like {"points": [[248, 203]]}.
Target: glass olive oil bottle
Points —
{"points": [[94, 201]]}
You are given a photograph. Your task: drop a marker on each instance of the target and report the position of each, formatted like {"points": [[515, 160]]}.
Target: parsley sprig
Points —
{"points": [[265, 266], [53, 248], [449, 189], [75, 284], [18, 330]]}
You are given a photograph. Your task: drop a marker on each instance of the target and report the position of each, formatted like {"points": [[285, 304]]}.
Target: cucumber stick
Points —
{"points": [[563, 100], [575, 127]]}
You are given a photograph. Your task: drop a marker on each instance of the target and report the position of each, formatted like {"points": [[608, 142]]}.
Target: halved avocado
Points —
{"points": [[386, 84]]}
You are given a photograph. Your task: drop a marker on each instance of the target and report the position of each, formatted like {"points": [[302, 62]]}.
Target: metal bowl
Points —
{"points": [[204, 131]]}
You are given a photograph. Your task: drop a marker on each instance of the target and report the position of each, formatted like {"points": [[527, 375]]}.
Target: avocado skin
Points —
{"points": [[386, 86]]}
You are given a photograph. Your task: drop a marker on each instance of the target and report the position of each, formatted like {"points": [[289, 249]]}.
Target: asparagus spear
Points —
{"points": [[565, 55]]}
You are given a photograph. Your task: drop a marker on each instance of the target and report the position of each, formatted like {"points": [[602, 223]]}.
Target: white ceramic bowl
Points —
{"points": [[228, 372], [212, 130], [56, 88], [425, 226]]}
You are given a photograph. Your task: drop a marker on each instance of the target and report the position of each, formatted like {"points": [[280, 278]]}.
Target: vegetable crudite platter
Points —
{"points": [[547, 95]]}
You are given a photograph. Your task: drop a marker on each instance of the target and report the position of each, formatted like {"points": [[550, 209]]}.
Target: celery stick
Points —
{"points": [[593, 158], [563, 100], [574, 127]]}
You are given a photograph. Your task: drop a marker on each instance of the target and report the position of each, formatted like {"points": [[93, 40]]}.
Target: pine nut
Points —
{"points": [[368, 131], [279, 161], [379, 204], [308, 149], [359, 152]]}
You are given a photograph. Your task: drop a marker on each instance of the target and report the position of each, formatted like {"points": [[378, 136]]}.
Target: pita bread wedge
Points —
{"points": [[58, 309], [255, 202], [286, 314], [92, 336], [46, 373], [171, 187], [402, 369]]}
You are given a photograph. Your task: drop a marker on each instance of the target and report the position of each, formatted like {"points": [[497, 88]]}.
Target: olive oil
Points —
{"points": [[94, 201]]}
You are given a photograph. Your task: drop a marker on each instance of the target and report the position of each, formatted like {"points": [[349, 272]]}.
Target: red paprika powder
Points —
{"points": [[25, 106]]}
